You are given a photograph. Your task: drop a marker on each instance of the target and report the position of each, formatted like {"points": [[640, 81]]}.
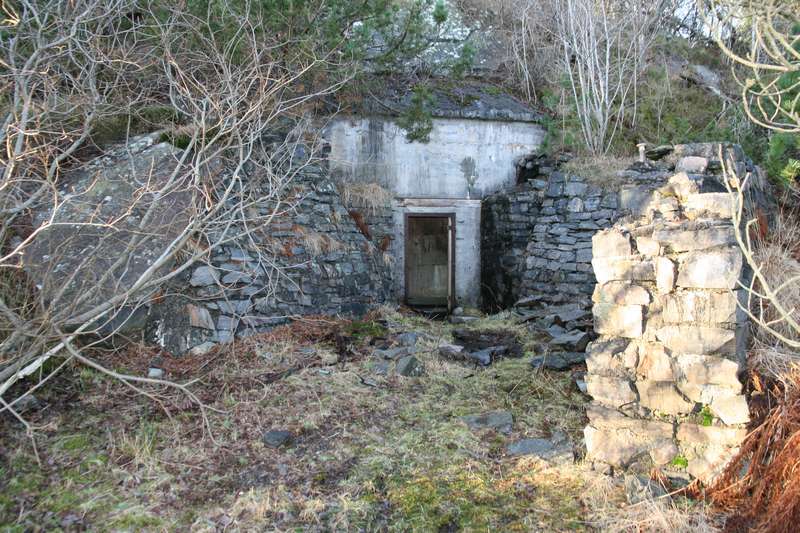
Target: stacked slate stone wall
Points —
{"points": [[312, 260], [664, 372], [536, 244]]}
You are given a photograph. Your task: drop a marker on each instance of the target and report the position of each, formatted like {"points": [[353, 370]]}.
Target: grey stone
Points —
{"points": [[573, 341], [99, 209], [558, 360], [621, 293], [692, 164], [610, 391], [410, 366], [639, 201], [501, 421], [712, 269], [699, 306], [275, 438], [202, 349], [408, 338], [622, 268], [662, 396], [555, 450], [618, 320], [686, 339], [611, 243], [481, 357], [640, 489], [199, 317], [665, 275], [204, 276], [452, 352], [687, 237], [155, 373], [392, 353]]}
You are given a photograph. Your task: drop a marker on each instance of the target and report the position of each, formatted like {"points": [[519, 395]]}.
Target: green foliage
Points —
{"points": [[679, 461], [782, 156], [706, 416], [417, 119]]}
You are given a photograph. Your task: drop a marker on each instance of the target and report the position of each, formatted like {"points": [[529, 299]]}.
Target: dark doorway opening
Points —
{"points": [[430, 260]]}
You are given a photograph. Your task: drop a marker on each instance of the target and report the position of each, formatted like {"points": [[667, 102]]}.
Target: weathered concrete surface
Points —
{"points": [[463, 159]]}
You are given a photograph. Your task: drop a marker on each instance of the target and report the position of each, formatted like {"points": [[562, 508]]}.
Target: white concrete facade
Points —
{"points": [[464, 160]]}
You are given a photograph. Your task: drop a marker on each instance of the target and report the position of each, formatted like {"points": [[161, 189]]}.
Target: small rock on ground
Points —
{"points": [[453, 352], [275, 438], [408, 338], [393, 353], [410, 366], [498, 420], [639, 489], [555, 449], [558, 361], [155, 373]]}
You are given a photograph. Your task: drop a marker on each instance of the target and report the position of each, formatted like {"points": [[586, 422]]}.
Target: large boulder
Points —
{"points": [[82, 255]]}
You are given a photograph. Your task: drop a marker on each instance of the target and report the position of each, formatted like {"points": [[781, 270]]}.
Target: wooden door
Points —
{"points": [[429, 260]]}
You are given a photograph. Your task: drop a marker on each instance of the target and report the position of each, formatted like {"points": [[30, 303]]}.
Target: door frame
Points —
{"points": [[451, 217]]}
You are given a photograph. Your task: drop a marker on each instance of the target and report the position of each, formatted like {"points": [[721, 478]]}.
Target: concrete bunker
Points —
{"points": [[477, 137]]}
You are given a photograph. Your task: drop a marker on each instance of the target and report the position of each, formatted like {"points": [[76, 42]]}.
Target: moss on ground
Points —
{"points": [[370, 452]]}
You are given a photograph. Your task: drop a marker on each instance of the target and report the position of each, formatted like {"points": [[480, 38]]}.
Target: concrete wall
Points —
{"points": [[459, 152], [467, 249]]}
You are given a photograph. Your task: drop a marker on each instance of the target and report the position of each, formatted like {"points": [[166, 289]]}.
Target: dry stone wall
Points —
{"points": [[321, 260], [537, 238], [664, 372]]}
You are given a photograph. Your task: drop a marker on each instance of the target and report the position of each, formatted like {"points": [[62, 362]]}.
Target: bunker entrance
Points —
{"points": [[429, 260]]}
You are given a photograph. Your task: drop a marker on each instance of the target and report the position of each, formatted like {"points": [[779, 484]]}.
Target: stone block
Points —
{"points": [[698, 371], [692, 164], [732, 410], [611, 243], [610, 391], [665, 275], [688, 237], [617, 440], [638, 201], [648, 246], [697, 435], [654, 363], [618, 320], [204, 276], [710, 204], [697, 339], [699, 306], [680, 186], [621, 293], [711, 269], [662, 396], [622, 268], [710, 463], [199, 317], [611, 357]]}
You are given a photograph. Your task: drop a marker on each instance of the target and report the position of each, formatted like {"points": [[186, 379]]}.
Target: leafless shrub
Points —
{"points": [[70, 65], [769, 52]]}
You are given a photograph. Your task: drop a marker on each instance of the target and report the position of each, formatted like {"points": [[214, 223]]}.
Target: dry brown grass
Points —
{"points": [[370, 196], [598, 170], [778, 255], [610, 512]]}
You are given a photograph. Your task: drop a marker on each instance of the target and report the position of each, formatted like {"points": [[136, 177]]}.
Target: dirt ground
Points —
{"points": [[369, 451]]}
